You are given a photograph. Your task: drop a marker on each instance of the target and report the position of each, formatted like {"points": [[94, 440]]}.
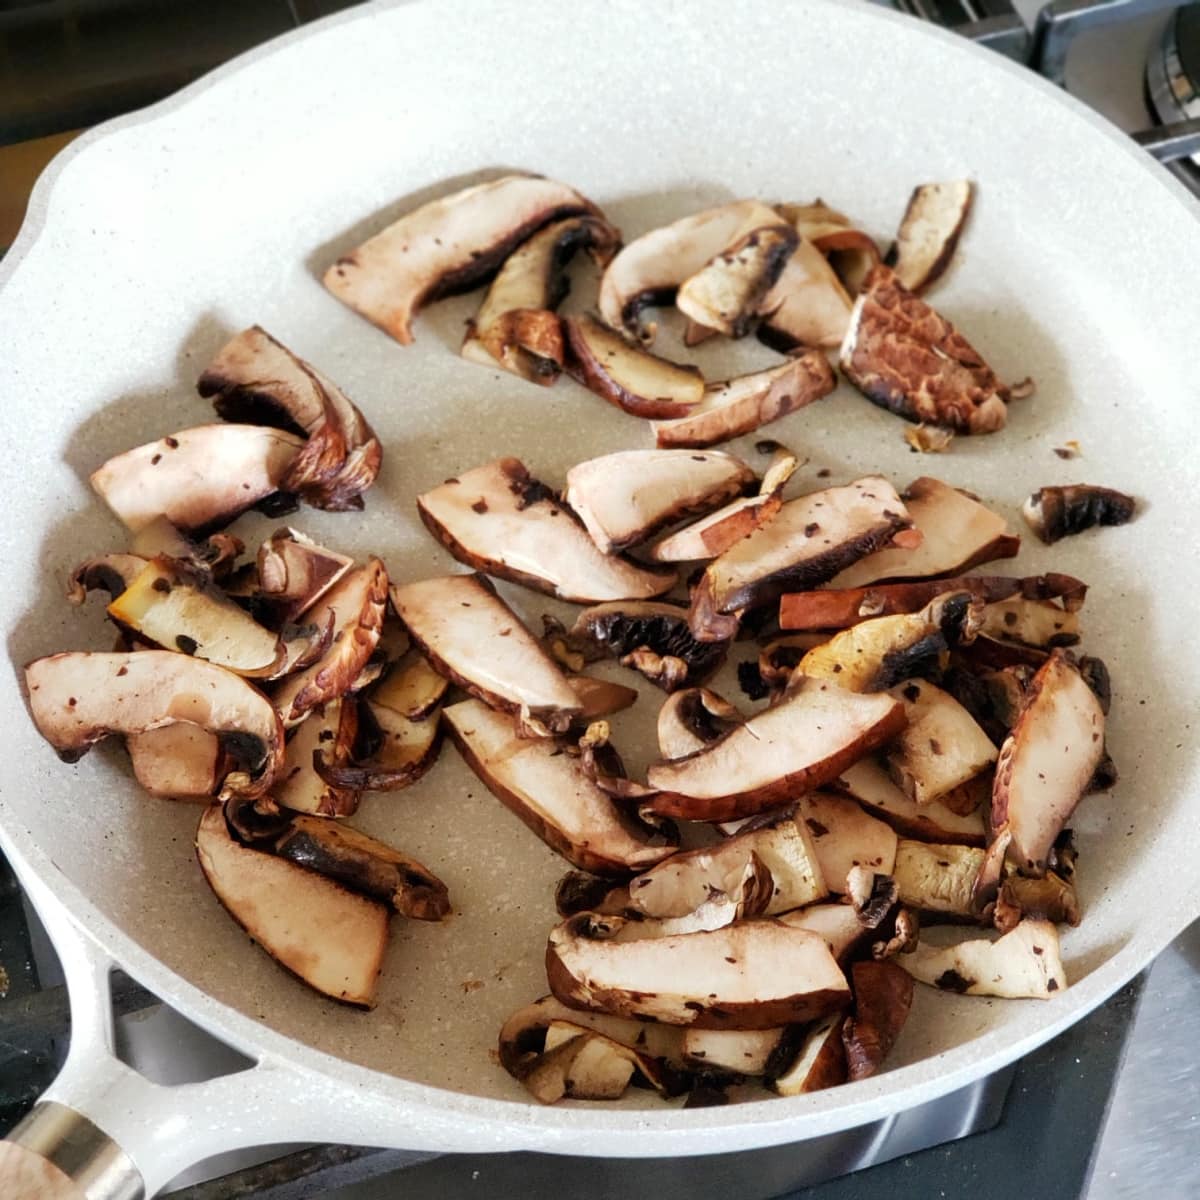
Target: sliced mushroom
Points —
{"points": [[850, 251], [548, 789], [693, 718], [869, 784], [516, 326], [1051, 898], [819, 1061], [111, 573], [883, 995], [872, 896], [937, 878], [1023, 964], [198, 478], [907, 358], [257, 379], [1059, 512], [447, 246], [498, 519], [929, 232], [216, 554], [957, 533], [625, 498], [600, 697], [357, 605], [838, 924], [807, 739], [1047, 762], [1030, 622], [626, 374], [753, 975], [844, 837], [294, 573], [78, 699], [941, 749], [736, 1051], [474, 639], [330, 731], [331, 937], [808, 306], [747, 402], [183, 762], [807, 543]]}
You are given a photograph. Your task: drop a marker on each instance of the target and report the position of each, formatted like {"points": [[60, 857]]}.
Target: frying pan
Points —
{"points": [[155, 237]]}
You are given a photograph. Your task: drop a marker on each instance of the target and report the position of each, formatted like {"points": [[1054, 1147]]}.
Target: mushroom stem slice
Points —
{"points": [[735, 1051], [817, 1062], [938, 878], [1023, 964], [883, 995], [1058, 512], [447, 246], [753, 975], [929, 232], [332, 938]]}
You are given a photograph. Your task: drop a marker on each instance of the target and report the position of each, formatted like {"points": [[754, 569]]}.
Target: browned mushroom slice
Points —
{"points": [[851, 252], [111, 573], [1047, 762], [1030, 622], [497, 518], [650, 269], [259, 380], [753, 975], [294, 572], [183, 762], [1059, 512], [600, 697], [869, 784], [745, 403], [215, 554], [957, 533], [838, 924], [735, 1051], [1051, 898], [548, 789], [808, 542], [784, 852], [929, 232], [808, 306], [77, 699], [776, 662], [941, 749], [1023, 964], [802, 742], [332, 938], [447, 246], [329, 730], [625, 498], [176, 606], [516, 326], [474, 639], [819, 1061], [693, 718], [845, 837], [197, 478], [937, 878], [725, 294], [357, 605], [883, 995]]}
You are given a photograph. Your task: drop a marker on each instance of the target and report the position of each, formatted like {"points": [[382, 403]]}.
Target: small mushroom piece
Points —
{"points": [[474, 639], [447, 246], [808, 306], [332, 938], [1058, 512], [838, 924], [1022, 965], [937, 878], [548, 789], [872, 896], [844, 838], [498, 519], [1030, 622], [356, 605], [941, 749], [516, 326], [624, 499], [330, 731], [902, 937], [215, 554], [294, 573], [1051, 898], [183, 762], [957, 533], [626, 374], [198, 478], [883, 995], [1047, 762], [600, 697], [907, 358], [810, 540], [747, 402], [929, 232], [111, 573], [819, 1061], [735, 1051], [691, 719], [78, 699], [807, 739], [752, 975], [850, 251]]}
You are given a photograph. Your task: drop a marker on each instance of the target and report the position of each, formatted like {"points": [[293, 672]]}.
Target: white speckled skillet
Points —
{"points": [[154, 237]]}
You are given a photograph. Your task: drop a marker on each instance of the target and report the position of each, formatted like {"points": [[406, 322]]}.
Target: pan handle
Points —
{"points": [[102, 1131]]}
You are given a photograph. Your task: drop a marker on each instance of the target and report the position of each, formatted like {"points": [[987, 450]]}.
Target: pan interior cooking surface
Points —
{"points": [[165, 237]]}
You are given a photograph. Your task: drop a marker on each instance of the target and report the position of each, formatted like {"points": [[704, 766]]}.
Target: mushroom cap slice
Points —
{"points": [[111, 573], [745, 403], [810, 540], [471, 636], [330, 731], [1058, 512], [498, 519], [1023, 964], [929, 232], [938, 878], [332, 938], [691, 719], [907, 358], [957, 533], [752, 975], [449, 245], [183, 762], [198, 478], [883, 995], [294, 572], [77, 699], [844, 837], [548, 789], [818, 1062], [1047, 762], [804, 741], [808, 306]]}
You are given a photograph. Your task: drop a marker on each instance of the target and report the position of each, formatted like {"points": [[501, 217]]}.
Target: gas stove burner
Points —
{"points": [[1173, 71]]}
